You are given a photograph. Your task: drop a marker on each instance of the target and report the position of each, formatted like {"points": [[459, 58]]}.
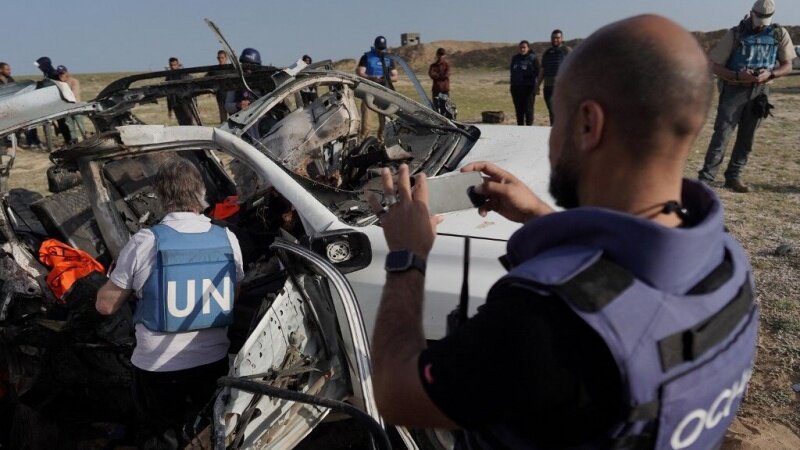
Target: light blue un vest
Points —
{"points": [[755, 50], [192, 284]]}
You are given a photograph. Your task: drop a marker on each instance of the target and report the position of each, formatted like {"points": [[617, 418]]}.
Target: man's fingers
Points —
{"points": [[403, 184], [421, 188], [489, 169], [388, 182], [492, 188]]}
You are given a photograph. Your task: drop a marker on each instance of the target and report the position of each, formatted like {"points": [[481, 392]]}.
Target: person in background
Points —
{"points": [[374, 65], [46, 66], [75, 123], [746, 60], [172, 100], [629, 318], [222, 61], [308, 94], [439, 72], [551, 61], [524, 70], [5, 73], [181, 340], [248, 57]]}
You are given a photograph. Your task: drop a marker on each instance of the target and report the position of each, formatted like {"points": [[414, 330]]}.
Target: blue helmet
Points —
{"points": [[380, 43], [250, 56]]}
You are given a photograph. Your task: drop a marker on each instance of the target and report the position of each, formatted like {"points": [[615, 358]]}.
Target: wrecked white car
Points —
{"points": [[302, 174]]}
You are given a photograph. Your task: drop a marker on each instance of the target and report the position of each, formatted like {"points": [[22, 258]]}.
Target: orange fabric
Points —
{"points": [[225, 209], [68, 265]]}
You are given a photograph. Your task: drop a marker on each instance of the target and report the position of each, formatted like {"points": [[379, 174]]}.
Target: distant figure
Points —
{"points": [[308, 94], [222, 61], [172, 100], [5, 73], [373, 66], [439, 72], [251, 57], [551, 61], [75, 123], [524, 70], [744, 61], [46, 66]]}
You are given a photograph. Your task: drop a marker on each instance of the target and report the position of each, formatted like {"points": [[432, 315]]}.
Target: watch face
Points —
{"points": [[398, 260]]}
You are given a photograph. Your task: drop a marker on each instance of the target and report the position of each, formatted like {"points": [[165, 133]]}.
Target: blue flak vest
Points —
{"points": [[755, 50], [373, 60], [685, 359], [192, 283]]}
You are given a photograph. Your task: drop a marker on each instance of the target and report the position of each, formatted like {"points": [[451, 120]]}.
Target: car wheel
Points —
{"points": [[434, 439]]}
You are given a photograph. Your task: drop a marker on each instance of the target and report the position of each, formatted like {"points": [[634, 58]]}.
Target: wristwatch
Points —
{"points": [[771, 74], [403, 261]]}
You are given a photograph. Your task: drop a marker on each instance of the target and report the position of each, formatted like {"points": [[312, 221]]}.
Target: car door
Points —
{"points": [[309, 338]]}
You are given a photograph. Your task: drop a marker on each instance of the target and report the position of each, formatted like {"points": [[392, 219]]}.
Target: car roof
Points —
{"points": [[27, 104]]}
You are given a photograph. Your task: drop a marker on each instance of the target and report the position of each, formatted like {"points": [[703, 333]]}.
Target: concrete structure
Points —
{"points": [[409, 39]]}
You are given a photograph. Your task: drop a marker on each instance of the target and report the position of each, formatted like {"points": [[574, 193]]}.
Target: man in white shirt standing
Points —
{"points": [[184, 272]]}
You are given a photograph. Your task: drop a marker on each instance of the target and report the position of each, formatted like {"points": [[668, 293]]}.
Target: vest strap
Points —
{"points": [[596, 286], [690, 344]]}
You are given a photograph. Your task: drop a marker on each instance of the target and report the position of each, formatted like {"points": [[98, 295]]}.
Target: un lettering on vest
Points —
{"points": [[210, 292], [693, 424]]}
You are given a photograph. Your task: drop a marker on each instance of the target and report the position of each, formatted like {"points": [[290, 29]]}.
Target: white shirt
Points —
{"points": [[162, 352]]}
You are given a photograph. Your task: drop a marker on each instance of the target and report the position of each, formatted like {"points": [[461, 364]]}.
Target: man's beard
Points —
{"points": [[564, 178]]}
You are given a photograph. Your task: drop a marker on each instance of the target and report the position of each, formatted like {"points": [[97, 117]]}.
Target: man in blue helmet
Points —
{"points": [[374, 65], [184, 272], [249, 56], [626, 321], [746, 60]]}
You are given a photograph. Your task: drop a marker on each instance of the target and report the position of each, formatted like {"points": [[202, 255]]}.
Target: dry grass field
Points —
{"points": [[762, 220]]}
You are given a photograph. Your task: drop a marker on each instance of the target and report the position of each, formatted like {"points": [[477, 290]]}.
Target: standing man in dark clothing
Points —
{"points": [[222, 61], [629, 318], [524, 70], [745, 61], [551, 61], [172, 100], [374, 66]]}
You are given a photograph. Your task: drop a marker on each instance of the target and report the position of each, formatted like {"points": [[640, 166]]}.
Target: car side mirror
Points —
{"points": [[347, 250]]}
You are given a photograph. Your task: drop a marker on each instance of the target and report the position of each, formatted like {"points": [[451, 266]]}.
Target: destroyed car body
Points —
{"points": [[298, 323]]}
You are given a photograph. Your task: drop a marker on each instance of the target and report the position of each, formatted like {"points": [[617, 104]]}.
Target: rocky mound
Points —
{"points": [[496, 55]]}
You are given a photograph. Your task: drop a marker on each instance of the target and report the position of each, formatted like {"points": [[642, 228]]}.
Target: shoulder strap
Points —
{"points": [[596, 286]]}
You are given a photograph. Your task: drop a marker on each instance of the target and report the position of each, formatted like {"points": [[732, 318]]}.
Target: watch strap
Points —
{"points": [[410, 261]]}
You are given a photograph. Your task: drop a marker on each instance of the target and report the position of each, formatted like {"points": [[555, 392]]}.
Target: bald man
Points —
{"points": [[625, 321]]}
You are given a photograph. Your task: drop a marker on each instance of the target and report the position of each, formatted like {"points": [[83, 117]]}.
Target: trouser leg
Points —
{"points": [[364, 130], [548, 94], [159, 409], [748, 124], [732, 101], [518, 97], [530, 97]]}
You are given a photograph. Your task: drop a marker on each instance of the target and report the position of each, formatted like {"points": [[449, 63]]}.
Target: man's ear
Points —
{"points": [[591, 124]]}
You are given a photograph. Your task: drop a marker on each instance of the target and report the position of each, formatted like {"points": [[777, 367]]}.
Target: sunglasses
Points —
{"points": [[762, 16]]}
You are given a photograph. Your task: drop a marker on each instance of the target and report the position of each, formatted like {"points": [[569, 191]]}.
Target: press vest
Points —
{"points": [[192, 283], [755, 50], [684, 359], [374, 66]]}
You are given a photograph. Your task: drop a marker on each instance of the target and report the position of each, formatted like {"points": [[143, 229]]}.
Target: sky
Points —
{"points": [[116, 36]]}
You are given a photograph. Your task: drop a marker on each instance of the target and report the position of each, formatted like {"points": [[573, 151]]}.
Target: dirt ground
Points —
{"points": [[766, 221]]}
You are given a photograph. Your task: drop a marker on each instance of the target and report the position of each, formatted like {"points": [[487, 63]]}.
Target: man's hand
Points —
{"points": [[406, 222], [763, 76], [747, 76], [506, 194]]}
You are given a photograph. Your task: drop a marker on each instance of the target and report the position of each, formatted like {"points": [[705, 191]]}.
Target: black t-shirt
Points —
{"points": [[529, 362]]}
